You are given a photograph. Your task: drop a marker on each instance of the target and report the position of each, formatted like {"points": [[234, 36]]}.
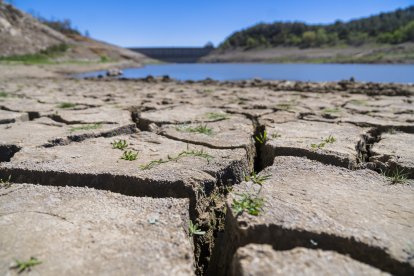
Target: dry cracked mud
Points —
{"points": [[161, 177]]}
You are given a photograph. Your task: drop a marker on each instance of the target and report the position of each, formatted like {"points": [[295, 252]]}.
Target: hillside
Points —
{"points": [[393, 28], [25, 39], [383, 38]]}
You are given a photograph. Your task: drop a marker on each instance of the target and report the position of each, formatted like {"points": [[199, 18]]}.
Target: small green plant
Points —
{"points": [[194, 230], [26, 265], [261, 137], [217, 116], [276, 135], [331, 110], [359, 102], [396, 176], [208, 91], [86, 127], [329, 140], [119, 144], [284, 106], [252, 204], [129, 155], [203, 129], [66, 105], [3, 94], [104, 59], [196, 153], [5, 183], [257, 179], [318, 146]]}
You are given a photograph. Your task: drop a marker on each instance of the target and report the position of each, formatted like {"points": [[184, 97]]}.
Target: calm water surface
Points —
{"points": [[299, 72]]}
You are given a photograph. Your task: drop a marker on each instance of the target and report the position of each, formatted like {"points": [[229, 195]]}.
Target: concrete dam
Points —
{"points": [[175, 54]]}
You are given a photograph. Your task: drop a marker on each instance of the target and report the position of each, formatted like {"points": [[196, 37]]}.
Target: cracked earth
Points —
{"points": [[330, 166]]}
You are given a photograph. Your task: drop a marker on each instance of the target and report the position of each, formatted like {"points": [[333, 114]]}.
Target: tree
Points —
{"points": [[308, 39]]}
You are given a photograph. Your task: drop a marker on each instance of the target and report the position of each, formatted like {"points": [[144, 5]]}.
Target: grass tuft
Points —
{"points": [[66, 105], [252, 204], [203, 129], [257, 179], [3, 94], [26, 265], [396, 176], [261, 137], [129, 155], [217, 116], [119, 144], [329, 140], [86, 127]]}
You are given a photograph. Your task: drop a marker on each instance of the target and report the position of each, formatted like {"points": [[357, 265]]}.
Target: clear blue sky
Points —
{"points": [[194, 22]]}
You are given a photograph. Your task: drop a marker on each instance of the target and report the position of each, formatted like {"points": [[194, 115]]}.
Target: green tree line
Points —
{"points": [[391, 28]]}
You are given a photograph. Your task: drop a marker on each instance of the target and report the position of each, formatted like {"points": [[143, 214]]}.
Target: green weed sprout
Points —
{"points": [[119, 144], [26, 265], [248, 203], [194, 230], [129, 155]]}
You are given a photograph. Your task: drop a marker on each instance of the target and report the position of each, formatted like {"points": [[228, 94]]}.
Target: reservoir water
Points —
{"points": [[401, 73]]}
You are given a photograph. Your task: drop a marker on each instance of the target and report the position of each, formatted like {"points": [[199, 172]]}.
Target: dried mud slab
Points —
{"points": [[102, 115], [7, 117], [319, 206], [233, 132], [328, 143], [45, 131], [183, 114], [255, 259], [82, 231], [163, 167], [395, 150]]}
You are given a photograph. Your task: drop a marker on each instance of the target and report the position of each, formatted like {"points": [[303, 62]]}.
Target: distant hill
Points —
{"points": [[26, 39], [385, 28]]}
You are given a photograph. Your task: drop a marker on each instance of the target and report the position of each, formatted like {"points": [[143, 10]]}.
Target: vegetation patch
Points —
{"points": [[396, 176], [257, 179], [194, 230], [119, 144], [331, 110], [329, 140], [129, 155], [217, 116], [186, 153], [45, 56], [22, 266], [252, 204], [276, 135], [86, 127], [5, 183], [359, 102], [203, 129], [3, 94], [390, 28], [66, 105], [284, 106], [261, 138]]}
